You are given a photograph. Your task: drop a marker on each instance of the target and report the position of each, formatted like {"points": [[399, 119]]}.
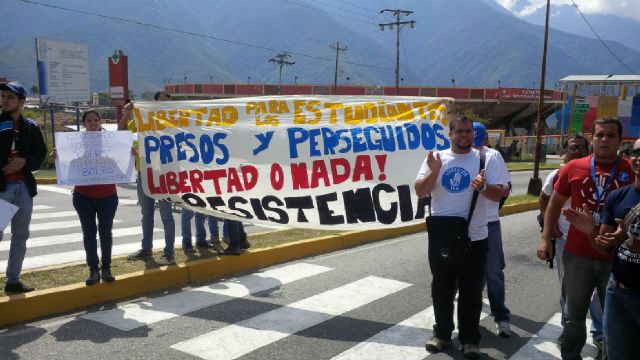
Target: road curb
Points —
{"points": [[16, 309]]}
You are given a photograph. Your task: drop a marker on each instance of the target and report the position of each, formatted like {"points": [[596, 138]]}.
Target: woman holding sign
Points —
{"points": [[95, 202]]}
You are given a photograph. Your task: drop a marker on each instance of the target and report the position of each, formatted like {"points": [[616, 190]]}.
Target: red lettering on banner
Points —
{"points": [[214, 176], [277, 176], [233, 181], [249, 176], [338, 176], [362, 167], [299, 176], [319, 172]]}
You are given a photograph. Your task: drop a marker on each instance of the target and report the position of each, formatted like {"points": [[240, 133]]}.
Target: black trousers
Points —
{"points": [[104, 210], [468, 280]]}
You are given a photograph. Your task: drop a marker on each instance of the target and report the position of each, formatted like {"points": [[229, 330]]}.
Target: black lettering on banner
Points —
{"points": [[234, 201], [215, 202], [384, 216], [422, 203], [194, 200], [299, 202], [284, 217], [358, 206], [326, 214], [257, 209], [406, 208]]}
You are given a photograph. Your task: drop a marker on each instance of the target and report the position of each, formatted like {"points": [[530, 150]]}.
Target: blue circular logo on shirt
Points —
{"points": [[456, 180], [623, 176]]}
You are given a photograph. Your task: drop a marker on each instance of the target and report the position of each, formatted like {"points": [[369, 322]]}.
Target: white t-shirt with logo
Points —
{"points": [[547, 189], [493, 207], [452, 192]]}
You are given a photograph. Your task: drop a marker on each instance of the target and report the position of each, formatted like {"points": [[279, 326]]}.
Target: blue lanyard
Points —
{"points": [[600, 195]]}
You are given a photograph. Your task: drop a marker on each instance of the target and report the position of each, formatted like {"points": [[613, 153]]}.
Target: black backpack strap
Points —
{"points": [[476, 193]]}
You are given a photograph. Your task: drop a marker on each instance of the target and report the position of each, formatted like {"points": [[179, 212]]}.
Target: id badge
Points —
{"points": [[597, 219]]}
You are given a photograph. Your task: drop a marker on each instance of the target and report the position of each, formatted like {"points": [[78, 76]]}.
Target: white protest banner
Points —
{"points": [[94, 157], [325, 162]]}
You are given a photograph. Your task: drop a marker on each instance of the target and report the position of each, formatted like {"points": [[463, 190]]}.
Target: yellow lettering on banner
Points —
{"points": [[392, 113], [334, 109], [405, 112], [311, 107], [171, 115], [199, 112], [229, 115], [382, 113], [269, 110], [184, 115], [161, 120], [353, 114], [298, 116], [214, 117], [142, 126], [370, 113]]}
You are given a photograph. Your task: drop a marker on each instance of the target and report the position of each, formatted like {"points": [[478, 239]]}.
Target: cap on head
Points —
{"points": [[15, 88], [479, 134]]}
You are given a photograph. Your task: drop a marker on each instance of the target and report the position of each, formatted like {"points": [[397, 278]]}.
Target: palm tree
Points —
{"points": [[35, 90]]}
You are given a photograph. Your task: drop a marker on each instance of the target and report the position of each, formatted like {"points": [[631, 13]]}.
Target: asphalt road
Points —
{"points": [[520, 180], [368, 302]]}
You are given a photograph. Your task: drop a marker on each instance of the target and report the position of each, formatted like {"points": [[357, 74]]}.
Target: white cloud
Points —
{"points": [[622, 8]]}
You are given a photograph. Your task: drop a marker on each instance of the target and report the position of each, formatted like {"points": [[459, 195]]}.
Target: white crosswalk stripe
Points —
{"points": [[54, 225], [133, 315], [403, 341], [246, 336]]}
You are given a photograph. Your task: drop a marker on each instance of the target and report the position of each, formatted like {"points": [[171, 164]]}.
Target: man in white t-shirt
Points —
{"points": [[494, 270], [576, 147], [451, 176]]}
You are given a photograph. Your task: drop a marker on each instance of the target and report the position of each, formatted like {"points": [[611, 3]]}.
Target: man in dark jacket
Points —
{"points": [[22, 150]]}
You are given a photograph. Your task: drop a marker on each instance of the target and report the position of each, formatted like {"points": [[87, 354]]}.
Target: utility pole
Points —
{"points": [[535, 183], [281, 60], [398, 14], [337, 48]]}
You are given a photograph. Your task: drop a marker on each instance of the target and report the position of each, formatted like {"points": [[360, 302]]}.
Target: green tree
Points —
{"points": [[104, 99], [35, 90]]}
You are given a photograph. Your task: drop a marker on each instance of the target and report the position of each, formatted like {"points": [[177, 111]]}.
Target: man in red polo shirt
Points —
{"points": [[586, 181]]}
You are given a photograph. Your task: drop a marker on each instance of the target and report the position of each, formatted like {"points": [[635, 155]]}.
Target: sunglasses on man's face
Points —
{"points": [[635, 152]]}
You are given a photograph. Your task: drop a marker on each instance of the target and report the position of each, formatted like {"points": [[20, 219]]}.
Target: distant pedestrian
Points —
{"points": [[22, 150], [96, 206], [494, 270], [147, 203]]}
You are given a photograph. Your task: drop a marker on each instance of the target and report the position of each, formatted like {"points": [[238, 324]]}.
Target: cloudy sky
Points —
{"points": [[623, 8]]}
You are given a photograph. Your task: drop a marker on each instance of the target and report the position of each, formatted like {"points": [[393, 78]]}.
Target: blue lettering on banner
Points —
{"points": [[456, 180], [325, 141]]}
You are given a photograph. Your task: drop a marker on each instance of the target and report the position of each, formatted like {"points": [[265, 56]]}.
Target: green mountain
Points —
{"points": [[469, 40]]}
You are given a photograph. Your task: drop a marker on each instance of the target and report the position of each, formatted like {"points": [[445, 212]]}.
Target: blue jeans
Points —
{"points": [[622, 322], [147, 208], [494, 274], [105, 210], [595, 310], [581, 276], [18, 195], [201, 234]]}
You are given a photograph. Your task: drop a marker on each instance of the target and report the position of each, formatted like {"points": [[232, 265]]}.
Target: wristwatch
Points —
{"points": [[484, 187]]}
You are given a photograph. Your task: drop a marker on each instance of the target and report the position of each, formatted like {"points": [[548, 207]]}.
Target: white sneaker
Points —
{"points": [[504, 330]]}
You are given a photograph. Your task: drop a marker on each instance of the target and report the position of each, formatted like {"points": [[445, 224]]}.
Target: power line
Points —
{"points": [[398, 14], [190, 33], [358, 6], [337, 48], [602, 41], [343, 9]]}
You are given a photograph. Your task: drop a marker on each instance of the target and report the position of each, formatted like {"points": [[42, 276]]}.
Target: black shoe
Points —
{"points": [[140, 254], [204, 245], [233, 251], [217, 246], [107, 276], [244, 243], [188, 248], [94, 278], [166, 259], [17, 288]]}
